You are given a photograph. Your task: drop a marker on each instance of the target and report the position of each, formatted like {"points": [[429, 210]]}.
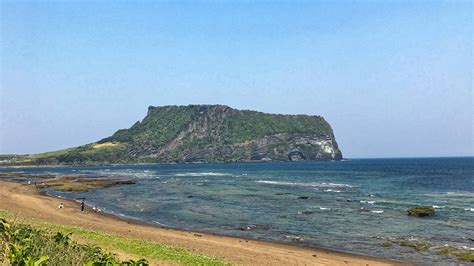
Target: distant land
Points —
{"points": [[201, 133]]}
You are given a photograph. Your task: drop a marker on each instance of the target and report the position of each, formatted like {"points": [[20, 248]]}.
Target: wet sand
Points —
{"points": [[28, 203]]}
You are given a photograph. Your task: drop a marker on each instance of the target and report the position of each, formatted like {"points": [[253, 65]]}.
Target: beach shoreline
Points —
{"points": [[26, 202]]}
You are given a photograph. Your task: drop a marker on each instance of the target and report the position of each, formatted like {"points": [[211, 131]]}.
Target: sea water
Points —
{"points": [[353, 205]]}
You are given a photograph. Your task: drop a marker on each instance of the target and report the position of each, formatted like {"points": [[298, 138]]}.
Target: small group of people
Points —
{"points": [[95, 209]]}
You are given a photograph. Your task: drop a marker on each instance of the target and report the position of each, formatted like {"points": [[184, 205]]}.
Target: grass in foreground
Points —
{"points": [[22, 244], [56, 242], [147, 249]]}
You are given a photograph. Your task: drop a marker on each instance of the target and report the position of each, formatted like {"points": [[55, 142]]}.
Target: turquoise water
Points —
{"points": [[353, 205]]}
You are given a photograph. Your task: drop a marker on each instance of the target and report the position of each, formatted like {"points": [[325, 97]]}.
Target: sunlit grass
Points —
{"points": [[142, 248], [116, 243]]}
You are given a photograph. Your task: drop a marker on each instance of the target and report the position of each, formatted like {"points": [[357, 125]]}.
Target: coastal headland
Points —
{"points": [[201, 134], [29, 205]]}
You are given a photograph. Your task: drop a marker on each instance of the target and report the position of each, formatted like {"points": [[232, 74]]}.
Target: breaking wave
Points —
{"points": [[202, 174], [311, 184], [332, 190]]}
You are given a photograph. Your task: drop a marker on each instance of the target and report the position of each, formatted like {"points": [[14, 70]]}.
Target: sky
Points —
{"points": [[393, 78]]}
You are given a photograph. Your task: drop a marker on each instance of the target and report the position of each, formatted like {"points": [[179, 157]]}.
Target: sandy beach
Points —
{"points": [[29, 204]]}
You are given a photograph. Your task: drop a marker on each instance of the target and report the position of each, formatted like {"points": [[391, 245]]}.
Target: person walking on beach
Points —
{"points": [[82, 206]]}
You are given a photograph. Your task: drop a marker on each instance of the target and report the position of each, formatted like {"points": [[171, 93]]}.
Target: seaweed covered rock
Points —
{"points": [[421, 211]]}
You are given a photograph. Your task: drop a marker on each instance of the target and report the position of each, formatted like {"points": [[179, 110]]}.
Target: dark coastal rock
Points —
{"points": [[303, 197], [421, 211], [296, 155], [260, 156], [282, 193], [414, 243], [83, 183]]}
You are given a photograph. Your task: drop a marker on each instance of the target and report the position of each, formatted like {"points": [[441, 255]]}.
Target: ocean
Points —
{"points": [[356, 205]]}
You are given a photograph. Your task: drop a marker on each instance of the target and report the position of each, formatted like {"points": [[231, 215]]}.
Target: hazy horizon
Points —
{"points": [[393, 79]]}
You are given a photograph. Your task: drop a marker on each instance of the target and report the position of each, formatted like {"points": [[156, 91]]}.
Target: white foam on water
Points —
{"points": [[371, 201], [324, 209], [455, 194], [469, 209], [338, 184], [377, 211], [294, 238], [203, 174], [158, 223], [332, 190], [124, 174], [438, 207], [301, 184]]}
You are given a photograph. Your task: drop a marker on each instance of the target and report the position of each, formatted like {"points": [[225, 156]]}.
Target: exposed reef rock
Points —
{"points": [[421, 211]]}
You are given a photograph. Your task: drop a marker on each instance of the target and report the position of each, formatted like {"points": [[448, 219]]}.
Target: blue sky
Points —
{"points": [[393, 79]]}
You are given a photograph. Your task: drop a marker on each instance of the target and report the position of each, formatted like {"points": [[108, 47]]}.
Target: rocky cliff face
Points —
{"points": [[208, 133]]}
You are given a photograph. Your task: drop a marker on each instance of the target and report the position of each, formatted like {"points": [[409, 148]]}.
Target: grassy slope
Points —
{"points": [[248, 125], [50, 154], [140, 248], [160, 126], [152, 251]]}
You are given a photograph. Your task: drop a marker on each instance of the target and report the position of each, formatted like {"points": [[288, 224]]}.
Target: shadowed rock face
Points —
{"points": [[209, 133]]}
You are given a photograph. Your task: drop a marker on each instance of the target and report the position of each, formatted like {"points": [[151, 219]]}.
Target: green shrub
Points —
{"points": [[23, 245]]}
